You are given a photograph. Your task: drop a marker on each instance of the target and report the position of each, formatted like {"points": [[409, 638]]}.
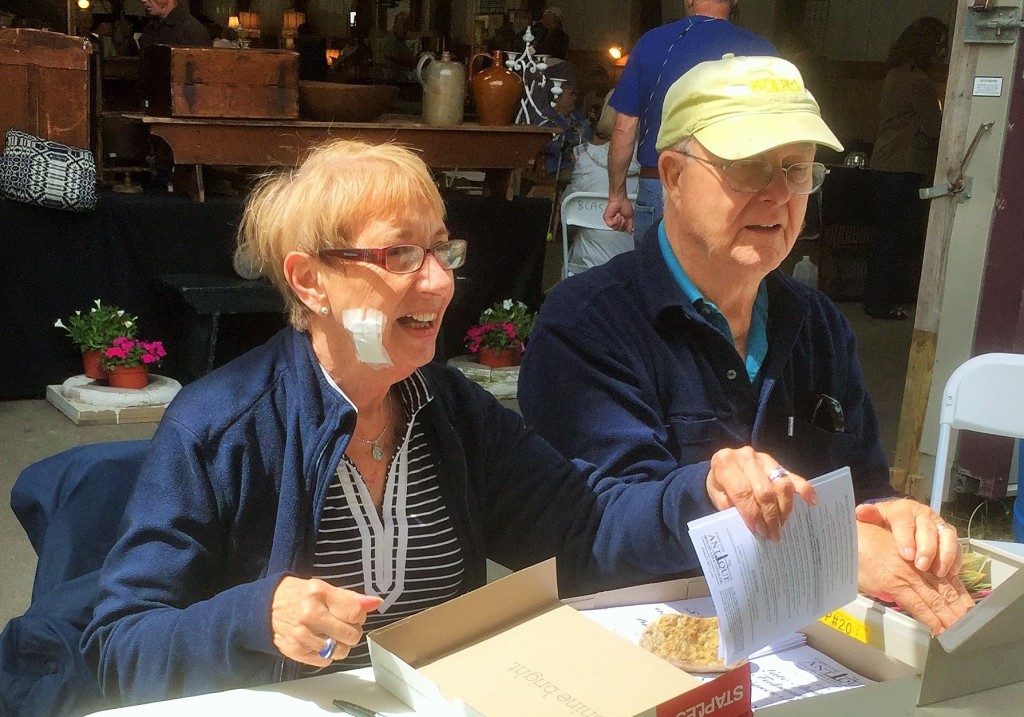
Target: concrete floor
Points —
{"points": [[32, 430]]}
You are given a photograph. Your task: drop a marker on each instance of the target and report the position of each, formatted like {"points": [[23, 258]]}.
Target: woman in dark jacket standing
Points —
{"points": [[902, 160]]}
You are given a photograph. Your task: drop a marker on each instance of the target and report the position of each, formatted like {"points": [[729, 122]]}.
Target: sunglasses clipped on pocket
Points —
{"points": [[828, 414]]}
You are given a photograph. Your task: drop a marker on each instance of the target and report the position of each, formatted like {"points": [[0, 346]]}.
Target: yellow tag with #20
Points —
{"points": [[847, 624]]}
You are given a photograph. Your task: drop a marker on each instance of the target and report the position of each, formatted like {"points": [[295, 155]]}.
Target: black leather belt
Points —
{"points": [[649, 173]]}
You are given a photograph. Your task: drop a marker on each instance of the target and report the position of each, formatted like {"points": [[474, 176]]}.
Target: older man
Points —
{"points": [[693, 363], [660, 57], [171, 24]]}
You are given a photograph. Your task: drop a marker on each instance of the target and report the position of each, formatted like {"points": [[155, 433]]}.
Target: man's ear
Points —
{"points": [[302, 272], [670, 167]]}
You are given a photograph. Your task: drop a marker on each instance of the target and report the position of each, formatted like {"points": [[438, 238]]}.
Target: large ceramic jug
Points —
{"points": [[496, 91], [444, 89]]}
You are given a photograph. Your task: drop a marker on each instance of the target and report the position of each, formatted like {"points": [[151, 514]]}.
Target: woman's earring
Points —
{"points": [[324, 311]]}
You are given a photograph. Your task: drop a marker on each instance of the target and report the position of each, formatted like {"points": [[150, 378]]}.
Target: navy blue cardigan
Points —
{"points": [[623, 372]]}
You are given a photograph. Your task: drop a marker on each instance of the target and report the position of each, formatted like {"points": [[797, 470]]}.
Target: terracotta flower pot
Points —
{"points": [[128, 377], [91, 366], [498, 358]]}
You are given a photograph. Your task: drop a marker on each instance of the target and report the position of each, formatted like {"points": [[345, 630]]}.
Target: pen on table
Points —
{"points": [[356, 710]]}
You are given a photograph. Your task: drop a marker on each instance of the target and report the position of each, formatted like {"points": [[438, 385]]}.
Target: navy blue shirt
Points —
{"points": [[663, 55]]}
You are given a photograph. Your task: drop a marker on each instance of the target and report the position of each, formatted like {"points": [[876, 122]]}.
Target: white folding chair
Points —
{"points": [[984, 394], [582, 209]]}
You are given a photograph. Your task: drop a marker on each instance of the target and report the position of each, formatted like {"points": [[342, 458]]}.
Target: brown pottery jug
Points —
{"points": [[496, 90], [444, 89]]}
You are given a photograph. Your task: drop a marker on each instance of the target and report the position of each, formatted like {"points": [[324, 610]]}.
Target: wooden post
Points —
{"points": [[955, 136]]}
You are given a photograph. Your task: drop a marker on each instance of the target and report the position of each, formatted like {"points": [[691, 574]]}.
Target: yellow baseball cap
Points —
{"points": [[739, 107]]}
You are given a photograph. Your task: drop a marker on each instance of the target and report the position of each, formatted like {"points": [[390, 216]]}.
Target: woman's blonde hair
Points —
{"points": [[326, 201]]}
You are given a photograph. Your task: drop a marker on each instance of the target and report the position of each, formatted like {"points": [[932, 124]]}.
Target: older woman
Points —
{"points": [[334, 480]]}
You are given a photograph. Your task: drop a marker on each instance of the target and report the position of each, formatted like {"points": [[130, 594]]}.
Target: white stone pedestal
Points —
{"points": [[502, 383], [89, 401]]}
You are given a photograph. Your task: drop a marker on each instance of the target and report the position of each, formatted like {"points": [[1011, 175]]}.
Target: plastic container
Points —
{"points": [[806, 272]]}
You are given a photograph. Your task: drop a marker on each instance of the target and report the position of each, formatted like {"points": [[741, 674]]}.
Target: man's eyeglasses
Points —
{"points": [[753, 175], [405, 258]]}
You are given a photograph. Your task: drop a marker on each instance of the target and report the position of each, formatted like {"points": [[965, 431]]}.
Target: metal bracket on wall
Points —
{"points": [[992, 25], [962, 186]]}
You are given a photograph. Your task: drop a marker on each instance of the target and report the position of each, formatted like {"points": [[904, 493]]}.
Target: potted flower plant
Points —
{"points": [[127, 361], [93, 331], [499, 336]]}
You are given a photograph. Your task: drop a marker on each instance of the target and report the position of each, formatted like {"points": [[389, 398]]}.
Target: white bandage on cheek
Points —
{"points": [[367, 329]]}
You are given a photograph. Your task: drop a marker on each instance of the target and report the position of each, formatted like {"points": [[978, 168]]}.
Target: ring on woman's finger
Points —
{"points": [[777, 472], [328, 652], [943, 526]]}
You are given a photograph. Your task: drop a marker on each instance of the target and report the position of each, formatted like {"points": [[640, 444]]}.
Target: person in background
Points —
{"points": [[505, 37], [312, 54], [336, 479], [593, 247], [171, 24], [399, 58], [658, 59], [550, 38], [575, 129], [694, 364], [902, 161]]}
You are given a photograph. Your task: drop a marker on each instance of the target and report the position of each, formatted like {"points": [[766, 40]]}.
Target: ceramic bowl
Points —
{"points": [[336, 102]]}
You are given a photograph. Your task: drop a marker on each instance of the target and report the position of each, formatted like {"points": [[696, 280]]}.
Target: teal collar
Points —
{"points": [[757, 339]]}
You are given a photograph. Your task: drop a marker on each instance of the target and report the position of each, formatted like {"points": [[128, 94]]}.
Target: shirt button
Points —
{"points": [[730, 374]]}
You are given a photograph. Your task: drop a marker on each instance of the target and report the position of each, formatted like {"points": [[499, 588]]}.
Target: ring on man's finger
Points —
{"points": [[777, 472], [943, 526], [328, 652]]}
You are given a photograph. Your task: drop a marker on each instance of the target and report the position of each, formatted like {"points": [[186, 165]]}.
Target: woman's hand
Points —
{"points": [[305, 613], [884, 574], [751, 482], [922, 538]]}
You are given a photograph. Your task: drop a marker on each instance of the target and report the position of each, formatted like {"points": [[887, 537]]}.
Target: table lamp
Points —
{"points": [[289, 24], [248, 26]]}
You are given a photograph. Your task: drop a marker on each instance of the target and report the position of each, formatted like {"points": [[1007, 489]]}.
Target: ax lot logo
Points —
{"points": [[713, 548]]}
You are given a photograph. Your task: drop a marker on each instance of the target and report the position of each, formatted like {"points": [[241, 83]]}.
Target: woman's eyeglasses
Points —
{"points": [[753, 175], [405, 258]]}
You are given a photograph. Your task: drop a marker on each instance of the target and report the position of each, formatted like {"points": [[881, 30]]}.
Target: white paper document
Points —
{"points": [[763, 591]]}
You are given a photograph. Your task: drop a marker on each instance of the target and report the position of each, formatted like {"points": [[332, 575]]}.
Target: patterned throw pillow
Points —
{"points": [[39, 171]]}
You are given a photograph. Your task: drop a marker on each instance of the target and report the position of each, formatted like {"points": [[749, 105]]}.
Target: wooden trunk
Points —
{"points": [[220, 82], [44, 78]]}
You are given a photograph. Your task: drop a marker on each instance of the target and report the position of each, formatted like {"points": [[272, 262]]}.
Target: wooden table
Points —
{"points": [[499, 151]]}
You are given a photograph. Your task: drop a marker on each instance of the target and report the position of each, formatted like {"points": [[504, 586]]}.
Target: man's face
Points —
{"points": [[159, 8], [716, 230], [549, 20]]}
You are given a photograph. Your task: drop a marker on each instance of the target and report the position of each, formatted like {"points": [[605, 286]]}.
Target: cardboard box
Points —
{"points": [[220, 82], [496, 651], [512, 649], [901, 636]]}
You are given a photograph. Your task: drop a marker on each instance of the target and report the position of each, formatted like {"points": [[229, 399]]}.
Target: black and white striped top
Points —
{"points": [[409, 554]]}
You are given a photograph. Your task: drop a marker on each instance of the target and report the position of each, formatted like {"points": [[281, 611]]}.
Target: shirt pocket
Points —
{"points": [[696, 437], [817, 450]]}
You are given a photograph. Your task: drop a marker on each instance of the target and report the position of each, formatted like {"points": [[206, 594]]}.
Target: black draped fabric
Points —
{"points": [[55, 262]]}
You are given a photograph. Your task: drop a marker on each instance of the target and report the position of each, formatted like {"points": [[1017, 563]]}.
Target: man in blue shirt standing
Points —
{"points": [[660, 57], [694, 364]]}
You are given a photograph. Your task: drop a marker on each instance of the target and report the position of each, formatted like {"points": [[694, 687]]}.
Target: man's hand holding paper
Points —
{"points": [[758, 487]]}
